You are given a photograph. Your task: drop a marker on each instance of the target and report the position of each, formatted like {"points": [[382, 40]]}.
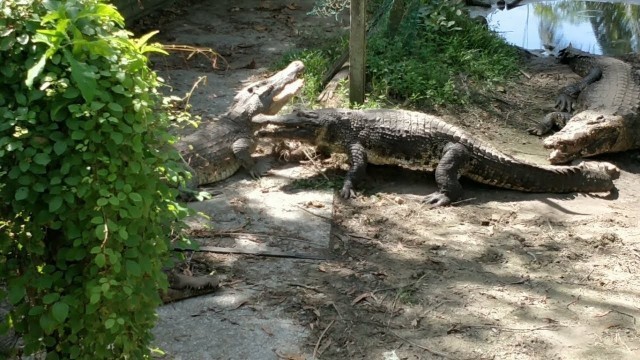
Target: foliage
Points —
{"points": [[437, 54], [88, 179], [316, 62], [437, 48]]}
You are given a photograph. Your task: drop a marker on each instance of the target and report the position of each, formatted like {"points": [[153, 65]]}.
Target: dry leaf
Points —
{"points": [[314, 204], [292, 6], [361, 297], [289, 356], [267, 330]]}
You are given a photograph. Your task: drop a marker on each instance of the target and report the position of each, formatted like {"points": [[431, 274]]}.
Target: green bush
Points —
{"points": [[87, 180], [434, 57], [438, 45], [316, 62]]}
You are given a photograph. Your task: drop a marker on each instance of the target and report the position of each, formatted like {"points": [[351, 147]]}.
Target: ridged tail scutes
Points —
{"points": [[522, 176]]}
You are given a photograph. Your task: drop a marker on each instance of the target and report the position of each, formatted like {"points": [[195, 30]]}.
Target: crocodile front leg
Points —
{"points": [[454, 157], [358, 159], [556, 119], [568, 94], [565, 104], [242, 149]]}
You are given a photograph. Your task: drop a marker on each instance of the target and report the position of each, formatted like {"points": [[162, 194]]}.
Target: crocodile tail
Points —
{"points": [[527, 177]]}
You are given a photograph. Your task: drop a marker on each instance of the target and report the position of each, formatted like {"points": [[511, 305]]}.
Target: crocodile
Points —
{"points": [[606, 100], [220, 147], [425, 142]]}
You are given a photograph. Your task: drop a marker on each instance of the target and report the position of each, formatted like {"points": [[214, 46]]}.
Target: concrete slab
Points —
{"points": [[265, 215], [215, 327], [257, 215]]}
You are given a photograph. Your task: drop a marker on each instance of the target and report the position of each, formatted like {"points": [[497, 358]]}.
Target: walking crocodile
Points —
{"points": [[607, 100], [220, 147], [424, 142]]}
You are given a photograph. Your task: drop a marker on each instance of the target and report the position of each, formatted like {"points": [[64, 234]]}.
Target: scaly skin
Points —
{"points": [[221, 146], [423, 142], [607, 91]]}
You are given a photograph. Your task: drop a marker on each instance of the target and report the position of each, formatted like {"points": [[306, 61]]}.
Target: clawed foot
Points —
{"points": [[347, 190], [188, 195], [565, 103], [537, 129], [182, 282], [260, 168], [437, 199]]}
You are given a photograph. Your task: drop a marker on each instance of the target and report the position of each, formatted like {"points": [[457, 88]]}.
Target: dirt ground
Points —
{"points": [[501, 275]]}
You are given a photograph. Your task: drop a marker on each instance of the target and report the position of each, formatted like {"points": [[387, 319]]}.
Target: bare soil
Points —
{"points": [[501, 275]]}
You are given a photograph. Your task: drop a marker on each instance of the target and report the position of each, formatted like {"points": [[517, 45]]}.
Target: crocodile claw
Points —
{"points": [[437, 199], [565, 102], [347, 190], [538, 129], [260, 168]]}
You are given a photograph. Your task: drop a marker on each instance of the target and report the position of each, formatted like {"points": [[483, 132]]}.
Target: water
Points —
{"points": [[610, 28]]}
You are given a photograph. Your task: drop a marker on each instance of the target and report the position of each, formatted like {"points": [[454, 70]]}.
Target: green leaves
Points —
{"points": [[101, 260], [83, 76], [81, 122], [42, 159], [55, 203], [35, 70], [22, 193], [60, 311]]}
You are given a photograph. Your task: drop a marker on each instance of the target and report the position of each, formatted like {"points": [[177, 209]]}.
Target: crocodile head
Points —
{"points": [[591, 133], [578, 60], [307, 126], [268, 96]]}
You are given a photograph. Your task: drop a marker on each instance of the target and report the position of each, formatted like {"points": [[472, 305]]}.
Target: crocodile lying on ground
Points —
{"points": [[607, 118], [420, 141], [219, 147]]}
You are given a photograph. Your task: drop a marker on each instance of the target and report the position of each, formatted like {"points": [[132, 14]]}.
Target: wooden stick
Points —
{"points": [[315, 349], [268, 253]]}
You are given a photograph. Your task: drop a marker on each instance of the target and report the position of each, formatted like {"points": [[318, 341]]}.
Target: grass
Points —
{"points": [[432, 62]]}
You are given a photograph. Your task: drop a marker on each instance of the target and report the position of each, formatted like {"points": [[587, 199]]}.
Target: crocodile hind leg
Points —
{"points": [[242, 149], [454, 157], [358, 159], [557, 118]]}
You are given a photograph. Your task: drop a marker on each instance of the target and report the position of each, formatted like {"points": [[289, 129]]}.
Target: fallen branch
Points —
{"points": [[193, 50], [434, 352], [315, 349], [235, 232], [268, 253], [314, 214], [315, 163], [619, 312], [545, 327]]}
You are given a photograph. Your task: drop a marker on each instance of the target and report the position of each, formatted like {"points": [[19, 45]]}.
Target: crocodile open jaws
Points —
{"points": [[594, 132], [607, 104], [221, 146]]}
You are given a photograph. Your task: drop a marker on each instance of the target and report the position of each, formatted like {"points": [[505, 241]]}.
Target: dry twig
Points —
{"points": [[315, 349], [314, 163], [619, 312], [434, 352], [314, 214], [194, 50]]}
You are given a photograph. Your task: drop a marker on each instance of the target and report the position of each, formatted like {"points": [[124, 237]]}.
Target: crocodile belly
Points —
{"points": [[216, 171], [398, 160]]}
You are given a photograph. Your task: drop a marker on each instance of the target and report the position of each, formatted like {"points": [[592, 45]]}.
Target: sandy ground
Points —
{"points": [[502, 275]]}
